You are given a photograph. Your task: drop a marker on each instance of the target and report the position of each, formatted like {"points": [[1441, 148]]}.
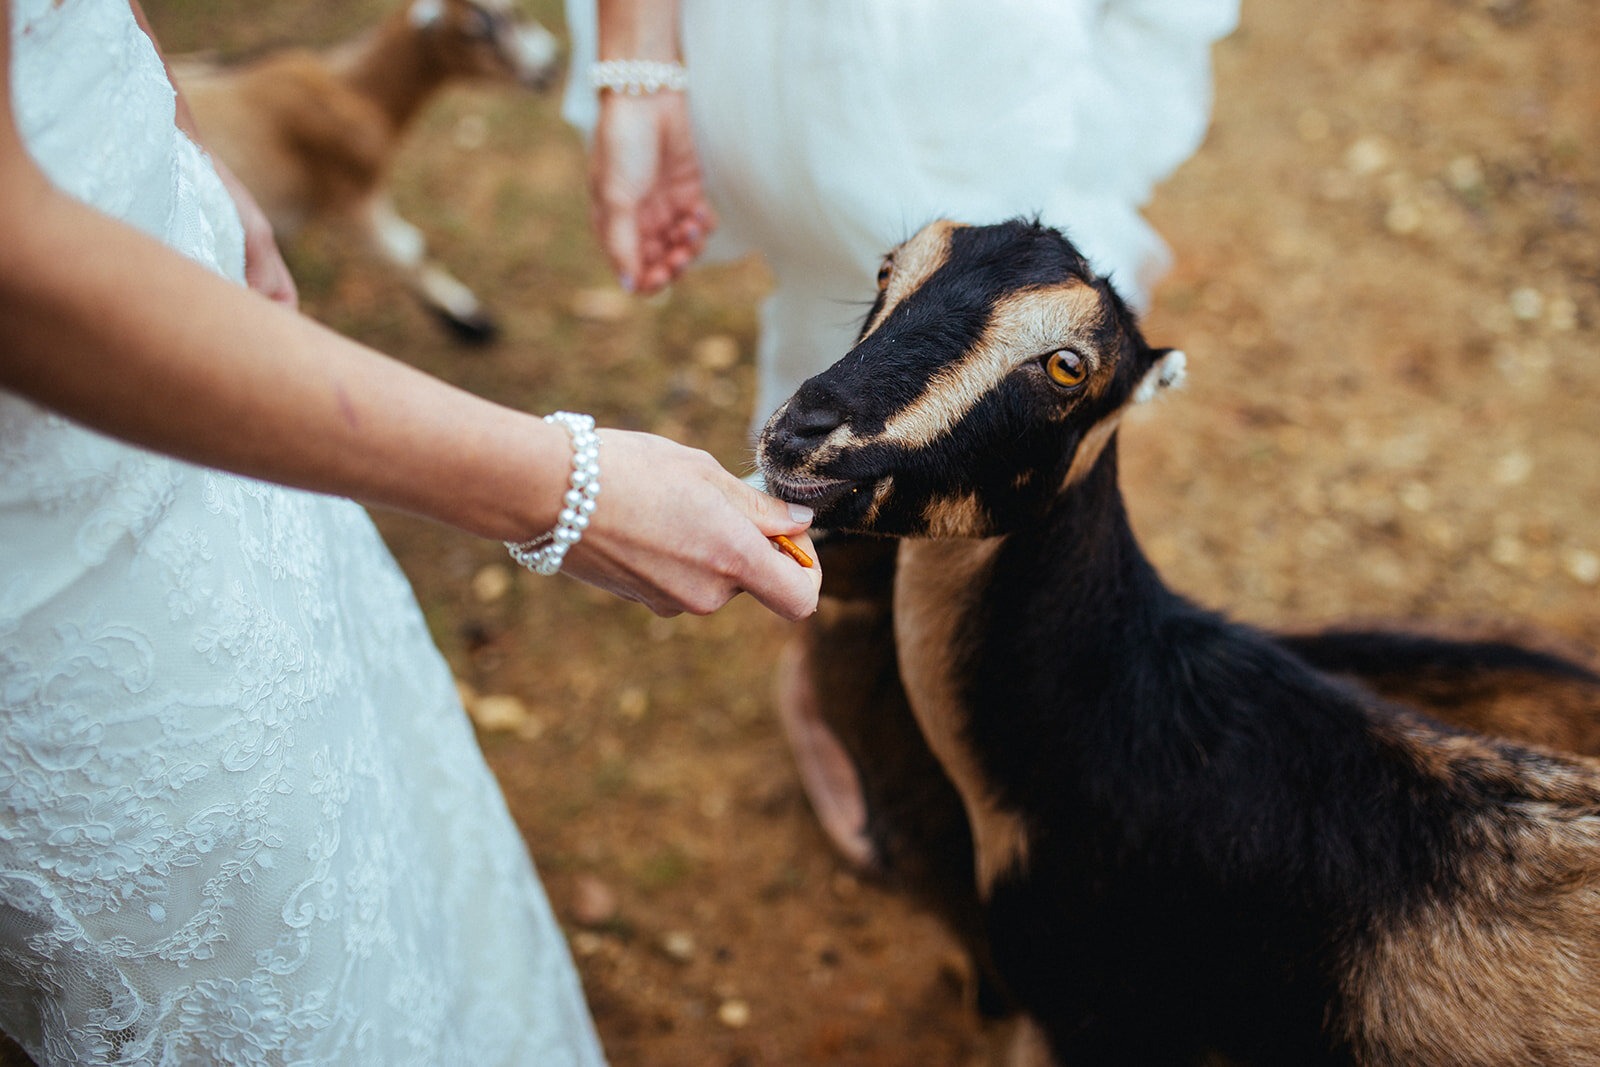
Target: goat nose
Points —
{"points": [[810, 423]]}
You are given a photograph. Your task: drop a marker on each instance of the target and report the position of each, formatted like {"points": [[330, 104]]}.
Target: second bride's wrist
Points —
{"points": [[638, 77]]}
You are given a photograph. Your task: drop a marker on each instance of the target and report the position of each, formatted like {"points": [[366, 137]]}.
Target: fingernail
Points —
{"points": [[799, 513], [627, 283]]}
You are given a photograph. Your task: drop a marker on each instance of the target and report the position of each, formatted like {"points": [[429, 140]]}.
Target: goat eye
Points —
{"points": [[885, 269], [1066, 368]]}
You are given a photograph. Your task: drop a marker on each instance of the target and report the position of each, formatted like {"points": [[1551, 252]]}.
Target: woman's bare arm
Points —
{"points": [[118, 332]]}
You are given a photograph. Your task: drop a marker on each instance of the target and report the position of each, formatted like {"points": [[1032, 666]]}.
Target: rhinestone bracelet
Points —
{"points": [[637, 76], [543, 555]]}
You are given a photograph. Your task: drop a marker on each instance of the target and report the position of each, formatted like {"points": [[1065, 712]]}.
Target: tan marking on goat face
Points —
{"points": [[1507, 968], [1023, 327], [1094, 442], [935, 586], [914, 263]]}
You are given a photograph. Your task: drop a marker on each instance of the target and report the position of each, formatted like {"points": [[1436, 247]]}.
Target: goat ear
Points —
{"points": [[1166, 372]]}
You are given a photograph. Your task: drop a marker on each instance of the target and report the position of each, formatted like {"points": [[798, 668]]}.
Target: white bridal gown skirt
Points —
{"points": [[830, 130], [243, 819]]}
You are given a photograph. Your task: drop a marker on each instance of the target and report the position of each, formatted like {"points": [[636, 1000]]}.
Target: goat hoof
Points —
{"points": [[479, 328]]}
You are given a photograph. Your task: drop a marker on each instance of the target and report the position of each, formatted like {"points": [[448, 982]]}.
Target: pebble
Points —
{"points": [[734, 1013], [633, 702], [1367, 156], [1563, 314], [1464, 174], [1416, 496], [1512, 468], [1582, 565], [1404, 216], [498, 712], [719, 352], [1384, 569], [601, 305], [1527, 303], [491, 583], [678, 945], [593, 902]]}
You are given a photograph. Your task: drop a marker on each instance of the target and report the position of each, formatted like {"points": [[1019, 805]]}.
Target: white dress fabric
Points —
{"points": [[830, 130], [243, 819]]}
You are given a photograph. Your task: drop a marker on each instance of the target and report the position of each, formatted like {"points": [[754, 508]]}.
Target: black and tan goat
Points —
{"points": [[312, 134], [1186, 840]]}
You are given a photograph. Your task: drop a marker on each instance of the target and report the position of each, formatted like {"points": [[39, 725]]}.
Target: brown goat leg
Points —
{"points": [[844, 679]]}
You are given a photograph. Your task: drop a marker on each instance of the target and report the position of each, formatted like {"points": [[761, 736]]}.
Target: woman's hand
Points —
{"points": [[676, 532], [264, 268], [649, 205]]}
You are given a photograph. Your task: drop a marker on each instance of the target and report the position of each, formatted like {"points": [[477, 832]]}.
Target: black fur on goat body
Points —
{"points": [[1187, 840]]}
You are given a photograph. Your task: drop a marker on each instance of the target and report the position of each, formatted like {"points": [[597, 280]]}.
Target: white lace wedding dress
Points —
{"points": [[243, 819], [830, 130]]}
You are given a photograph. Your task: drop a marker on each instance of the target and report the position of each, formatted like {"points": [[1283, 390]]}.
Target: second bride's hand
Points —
{"points": [[678, 533], [649, 204]]}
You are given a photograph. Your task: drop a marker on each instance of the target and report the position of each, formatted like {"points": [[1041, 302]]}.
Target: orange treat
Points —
{"points": [[792, 550]]}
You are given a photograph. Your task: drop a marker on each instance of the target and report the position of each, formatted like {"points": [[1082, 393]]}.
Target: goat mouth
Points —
{"points": [[816, 493]]}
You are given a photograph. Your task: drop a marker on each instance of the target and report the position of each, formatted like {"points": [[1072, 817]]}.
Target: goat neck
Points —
{"points": [[395, 65]]}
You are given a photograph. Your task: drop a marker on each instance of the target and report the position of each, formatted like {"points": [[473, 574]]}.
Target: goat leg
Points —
{"points": [[402, 246], [902, 820]]}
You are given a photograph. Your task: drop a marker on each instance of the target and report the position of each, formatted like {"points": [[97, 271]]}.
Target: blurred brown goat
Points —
{"points": [[312, 134]]}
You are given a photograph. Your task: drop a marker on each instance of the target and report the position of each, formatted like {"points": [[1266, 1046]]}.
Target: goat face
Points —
{"points": [[482, 39], [991, 371]]}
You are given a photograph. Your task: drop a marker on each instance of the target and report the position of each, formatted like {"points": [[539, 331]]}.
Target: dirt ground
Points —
{"points": [[1387, 278]]}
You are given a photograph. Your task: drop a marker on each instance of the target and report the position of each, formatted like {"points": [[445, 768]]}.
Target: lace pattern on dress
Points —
{"points": [[243, 819]]}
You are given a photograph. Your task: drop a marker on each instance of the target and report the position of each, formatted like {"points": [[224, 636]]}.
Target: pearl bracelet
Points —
{"points": [[637, 76], [543, 555]]}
